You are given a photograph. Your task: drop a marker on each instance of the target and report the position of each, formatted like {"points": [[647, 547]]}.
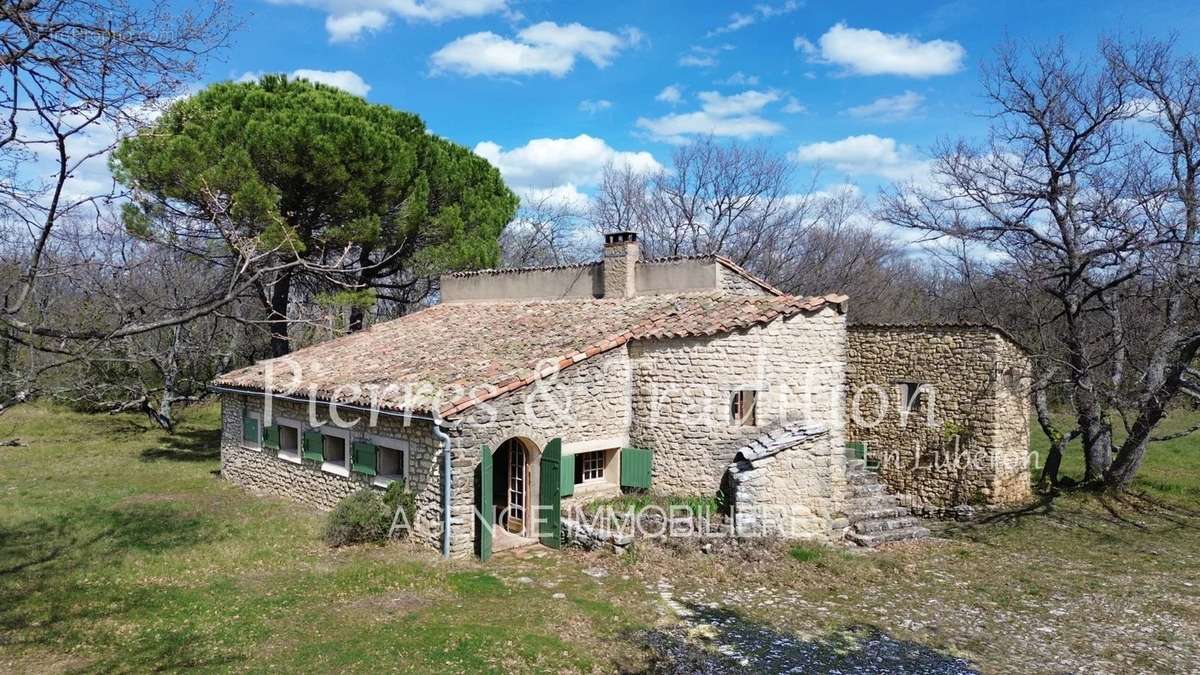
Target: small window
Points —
{"points": [[252, 430], [289, 441], [389, 464], [742, 408], [910, 393], [589, 466], [335, 449]]}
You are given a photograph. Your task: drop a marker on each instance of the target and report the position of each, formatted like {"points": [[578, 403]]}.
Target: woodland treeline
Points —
{"points": [[253, 218]]}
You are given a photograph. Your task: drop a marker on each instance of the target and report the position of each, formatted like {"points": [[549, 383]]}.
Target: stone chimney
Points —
{"points": [[620, 263]]}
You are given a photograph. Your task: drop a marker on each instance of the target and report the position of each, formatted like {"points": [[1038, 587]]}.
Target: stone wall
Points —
{"points": [[262, 471], [682, 390], [966, 440], [781, 484], [586, 402], [732, 282]]}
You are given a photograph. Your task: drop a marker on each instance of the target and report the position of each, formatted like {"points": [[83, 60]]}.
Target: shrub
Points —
{"points": [[806, 553], [359, 518], [399, 496]]}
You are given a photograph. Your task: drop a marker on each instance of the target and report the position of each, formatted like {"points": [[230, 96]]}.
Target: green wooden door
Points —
{"points": [[550, 495], [485, 513]]}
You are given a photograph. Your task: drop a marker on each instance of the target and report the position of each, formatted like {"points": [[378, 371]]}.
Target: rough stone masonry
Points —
{"points": [[943, 410]]}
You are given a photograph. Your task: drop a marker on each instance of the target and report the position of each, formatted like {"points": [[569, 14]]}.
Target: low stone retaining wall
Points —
{"points": [[589, 537]]}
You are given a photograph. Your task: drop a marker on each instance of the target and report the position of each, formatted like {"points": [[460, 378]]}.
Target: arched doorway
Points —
{"points": [[515, 488]]}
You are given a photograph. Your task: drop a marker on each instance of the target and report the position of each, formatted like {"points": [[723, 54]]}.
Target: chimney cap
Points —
{"points": [[620, 237]]}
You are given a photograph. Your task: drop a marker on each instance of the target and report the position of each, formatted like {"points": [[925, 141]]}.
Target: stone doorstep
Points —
{"points": [[876, 525], [887, 536]]}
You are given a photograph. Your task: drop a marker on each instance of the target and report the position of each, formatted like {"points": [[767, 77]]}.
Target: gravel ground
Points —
{"points": [[709, 639]]}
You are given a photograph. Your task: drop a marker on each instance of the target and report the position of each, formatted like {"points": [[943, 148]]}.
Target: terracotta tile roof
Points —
{"points": [[448, 358]]}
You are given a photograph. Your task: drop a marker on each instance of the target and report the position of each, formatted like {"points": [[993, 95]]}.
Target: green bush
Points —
{"points": [[399, 496], [359, 518], [807, 553]]}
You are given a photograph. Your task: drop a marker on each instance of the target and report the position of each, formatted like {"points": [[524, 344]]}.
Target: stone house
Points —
{"points": [[944, 411], [525, 387]]}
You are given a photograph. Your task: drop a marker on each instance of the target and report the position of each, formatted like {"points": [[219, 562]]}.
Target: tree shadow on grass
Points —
{"points": [[197, 445], [735, 644], [63, 575], [1090, 511]]}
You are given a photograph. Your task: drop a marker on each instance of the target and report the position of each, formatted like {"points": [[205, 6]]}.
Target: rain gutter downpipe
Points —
{"points": [[441, 435]]}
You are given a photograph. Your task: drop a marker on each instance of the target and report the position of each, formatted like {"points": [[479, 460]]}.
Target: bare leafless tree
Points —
{"points": [[548, 230], [1084, 217]]}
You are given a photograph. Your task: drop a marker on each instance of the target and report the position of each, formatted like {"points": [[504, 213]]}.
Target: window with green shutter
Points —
{"points": [[362, 457], [314, 446], [250, 430], [271, 436]]}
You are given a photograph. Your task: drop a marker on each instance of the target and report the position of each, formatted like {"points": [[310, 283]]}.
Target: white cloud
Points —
{"points": [[703, 57], [672, 93], [794, 107], [350, 27], [564, 196], [591, 107], [803, 44], [544, 47], [738, 116], [348, 19], [862, 51], [545, 163], [697, 60], [346, 80], [889, 108], [866, 154], [740, 79], [739, 20]]}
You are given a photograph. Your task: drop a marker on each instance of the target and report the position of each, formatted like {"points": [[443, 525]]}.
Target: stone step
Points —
{"points": [[879, 501], [856, 465], [885, 524], [862, 478], [866, 490], [874, 513], [887, 536]]}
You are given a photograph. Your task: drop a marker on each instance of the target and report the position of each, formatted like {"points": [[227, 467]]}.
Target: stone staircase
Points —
{"points": [[876, 516]]}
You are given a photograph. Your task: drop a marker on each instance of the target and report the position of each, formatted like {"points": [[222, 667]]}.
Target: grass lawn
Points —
{"points": [[121, 550]]}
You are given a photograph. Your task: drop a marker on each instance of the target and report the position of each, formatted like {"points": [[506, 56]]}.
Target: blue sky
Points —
{"points": [[550, 91]]}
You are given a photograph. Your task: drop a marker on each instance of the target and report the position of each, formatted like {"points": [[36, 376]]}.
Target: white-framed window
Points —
{"points": [[391, 460], [589, 467], [335, 446], [291, 439], [252, 430]]}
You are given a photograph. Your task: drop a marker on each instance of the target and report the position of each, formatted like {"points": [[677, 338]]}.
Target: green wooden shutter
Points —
{"points": [[362, 457], [314, 446], [635, 468], [271, 436], [249, 429], [485, 513], [858, 450], [550, 513], [568, 475]]}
